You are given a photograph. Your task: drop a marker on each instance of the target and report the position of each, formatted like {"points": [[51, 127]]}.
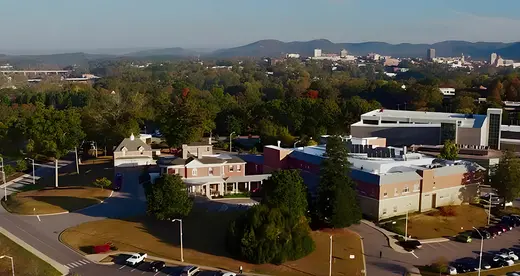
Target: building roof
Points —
{"points": [[424, 117], [207, 159], [133, 144]]}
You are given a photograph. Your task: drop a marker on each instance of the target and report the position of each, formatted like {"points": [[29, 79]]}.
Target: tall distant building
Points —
{"points": [[431, 54], [493, 59], [343, 53], [317, 52]]}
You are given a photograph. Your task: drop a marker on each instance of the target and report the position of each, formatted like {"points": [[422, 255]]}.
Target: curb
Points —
{"points": [[362, 253], [389, 239], [41, 215], [61, 268], [100, 202], [435, 240]]}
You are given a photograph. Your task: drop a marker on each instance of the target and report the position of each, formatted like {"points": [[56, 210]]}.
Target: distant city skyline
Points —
{"points": [[96, 25]]}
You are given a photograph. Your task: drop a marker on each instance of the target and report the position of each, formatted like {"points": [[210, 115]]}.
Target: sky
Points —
{"points": [[58, 25]]}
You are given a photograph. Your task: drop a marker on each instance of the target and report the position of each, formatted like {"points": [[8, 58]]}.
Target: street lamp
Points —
{"points": [[12, 262], [481, 247], [180, 227], [230, 141], [330, 256], [34, 176], [489, 211], [5, 186], [406, 223]]}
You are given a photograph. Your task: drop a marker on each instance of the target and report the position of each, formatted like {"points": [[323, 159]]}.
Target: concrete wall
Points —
{"points": [[275, 159], [396, 206], [469, 136], [400, 135], [369, 207], [126, 162], [128, 154]]}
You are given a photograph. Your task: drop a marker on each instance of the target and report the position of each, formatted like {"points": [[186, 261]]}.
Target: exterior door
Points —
{"points": [[434, 200]]}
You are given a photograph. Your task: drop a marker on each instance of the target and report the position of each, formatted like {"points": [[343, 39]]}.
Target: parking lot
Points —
{"points": [[144, 268]]}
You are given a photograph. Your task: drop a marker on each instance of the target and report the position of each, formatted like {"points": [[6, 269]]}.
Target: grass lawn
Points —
{"points": [[25, 263], [434, 225], [75, 192], [204, 243]]}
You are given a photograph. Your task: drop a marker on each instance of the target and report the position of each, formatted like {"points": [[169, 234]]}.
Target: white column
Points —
{"points": [[235, 187], [249, 186]]}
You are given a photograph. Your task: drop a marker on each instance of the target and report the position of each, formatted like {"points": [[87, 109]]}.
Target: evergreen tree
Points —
{"points": [[337, 201], [449, 151], [168, 198], [506, 177]]}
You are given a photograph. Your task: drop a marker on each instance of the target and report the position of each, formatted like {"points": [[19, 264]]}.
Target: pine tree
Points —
{"points": [[337, 198]]}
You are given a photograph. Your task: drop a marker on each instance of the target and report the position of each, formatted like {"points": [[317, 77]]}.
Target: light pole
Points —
{"points": [[180, 226], [5, 186], [406, 224], [33, 173], [230, 141], [294, 146], [330, 256], [12, 262], [489, 211], [77, 161], [481, 247]]}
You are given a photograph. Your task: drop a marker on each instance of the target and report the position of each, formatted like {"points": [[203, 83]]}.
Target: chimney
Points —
{"points": [[199, 152], [279, 142], [184, 151], [132, 137]]}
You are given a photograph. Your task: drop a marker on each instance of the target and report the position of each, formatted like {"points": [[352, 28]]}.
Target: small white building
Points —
{"points": [[447, 91], [292, 56], [132, 152]]}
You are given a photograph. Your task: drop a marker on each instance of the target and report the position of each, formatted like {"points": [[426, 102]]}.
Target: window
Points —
{"points": [[385, 194], [395, 209], [207, 149], [396, 192], [415, 187], [231, 168], [239, 168], [194, 172], [406, 190], [176, 171], [210, 171], [384, 211]]}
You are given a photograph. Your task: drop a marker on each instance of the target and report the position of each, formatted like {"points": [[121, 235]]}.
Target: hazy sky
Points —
{"points": [[101, 24]]}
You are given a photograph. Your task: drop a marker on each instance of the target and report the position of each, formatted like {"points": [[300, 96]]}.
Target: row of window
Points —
{"points": [[384, 210], [194, 171], [405, 190]]}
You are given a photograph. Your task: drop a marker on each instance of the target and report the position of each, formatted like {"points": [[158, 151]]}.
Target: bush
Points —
{"points": [[440, 265], [21, 165], [9, 170], [102, 183], [448, 211]]}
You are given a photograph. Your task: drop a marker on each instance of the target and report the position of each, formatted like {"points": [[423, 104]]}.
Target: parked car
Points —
{"points": [[189, 270], [507, 260], [496, 231], [464, 237], [508, 253], [157, 266], [485, 264], [452, 270], [513, 274], [136, 259], [462, 267], [511, 221], [505, 227], [228, 274], [411, 244], [485, 234], [498, 262]]}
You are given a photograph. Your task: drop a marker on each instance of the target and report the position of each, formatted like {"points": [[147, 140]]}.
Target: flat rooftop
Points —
{"points": [[423, 117]]}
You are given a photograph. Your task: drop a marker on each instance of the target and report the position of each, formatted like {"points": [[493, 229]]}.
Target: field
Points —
{"points": [[204, 243]]}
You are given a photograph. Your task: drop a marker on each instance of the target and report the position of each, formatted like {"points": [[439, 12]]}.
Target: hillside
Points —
{"points": [[176, 51]]}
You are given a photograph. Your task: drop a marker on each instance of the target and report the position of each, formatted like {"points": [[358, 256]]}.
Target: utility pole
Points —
{"points": [[180, 226], [77, 160], [481, 247], [330, 257]]}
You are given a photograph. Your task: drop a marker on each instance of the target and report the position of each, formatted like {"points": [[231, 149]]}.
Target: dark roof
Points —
{"points": [[133, 145], [252, 158], [204, 160], [309, 158]]}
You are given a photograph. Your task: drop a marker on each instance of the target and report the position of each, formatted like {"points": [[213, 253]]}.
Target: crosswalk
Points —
{"points": [[77, 263]]}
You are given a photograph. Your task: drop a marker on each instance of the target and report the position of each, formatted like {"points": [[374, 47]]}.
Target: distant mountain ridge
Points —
{"points": [[277, 48]]}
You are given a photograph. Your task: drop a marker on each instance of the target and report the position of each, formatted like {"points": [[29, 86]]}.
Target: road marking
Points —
{"points": [[143, 272], [38, 218], [414, 255], [122, 267], [449, 248], [72, 264], [82, 262], [133, 269], [156, 273]]}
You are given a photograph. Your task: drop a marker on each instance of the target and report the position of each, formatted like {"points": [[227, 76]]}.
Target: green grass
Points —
{"points": [[25, 263]]}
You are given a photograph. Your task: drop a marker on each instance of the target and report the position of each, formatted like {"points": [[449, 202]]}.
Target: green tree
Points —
{"points": [[506, 177], [285, 190], [168, 198], [102, 183], [337, 204], [449, 151], [21, 165]]}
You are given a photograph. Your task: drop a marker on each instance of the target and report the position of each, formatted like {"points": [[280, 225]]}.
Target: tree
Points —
{"points": [[285, 190], [449, 151], [506, 177], [337, 204], [496, 91], [168, 198], [102, 183]]}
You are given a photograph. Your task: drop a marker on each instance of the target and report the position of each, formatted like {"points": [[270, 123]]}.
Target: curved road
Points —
{"points": [[43, 235]]}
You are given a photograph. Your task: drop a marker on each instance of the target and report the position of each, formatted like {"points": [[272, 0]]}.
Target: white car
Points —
{"points": [[506, 259], [189, 270], [452, 270], [228, 274], [504, 253], [136, 259]]}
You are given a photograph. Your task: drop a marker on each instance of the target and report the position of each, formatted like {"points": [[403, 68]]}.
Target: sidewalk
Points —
{"points": [[97, 258], [392, 242]]}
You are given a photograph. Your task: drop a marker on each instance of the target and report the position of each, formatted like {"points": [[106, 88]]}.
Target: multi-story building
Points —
{"points": [[210, 174], [391, 184], [430, 54], [402, 127], [133, 152]]}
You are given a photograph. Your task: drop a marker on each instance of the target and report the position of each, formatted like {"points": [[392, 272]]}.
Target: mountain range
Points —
{"points": [[276, 48]]}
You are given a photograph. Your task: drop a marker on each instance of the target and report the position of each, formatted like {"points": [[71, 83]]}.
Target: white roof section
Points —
{"points": [[424, 117]]}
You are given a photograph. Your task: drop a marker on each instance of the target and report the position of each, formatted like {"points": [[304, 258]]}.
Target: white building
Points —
{"points": [[317, 52], [447, 91], [133, 152], [292, 56]]}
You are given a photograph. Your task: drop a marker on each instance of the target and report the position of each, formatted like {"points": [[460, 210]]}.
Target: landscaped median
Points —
{"points": [[75, 191], [205, 243], [444, 222]]}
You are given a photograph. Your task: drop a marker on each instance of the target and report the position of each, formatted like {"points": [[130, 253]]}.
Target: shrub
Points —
{"points": [[21, 165], [9, 170], [440, 265], [102, 183], [448, 211]]}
